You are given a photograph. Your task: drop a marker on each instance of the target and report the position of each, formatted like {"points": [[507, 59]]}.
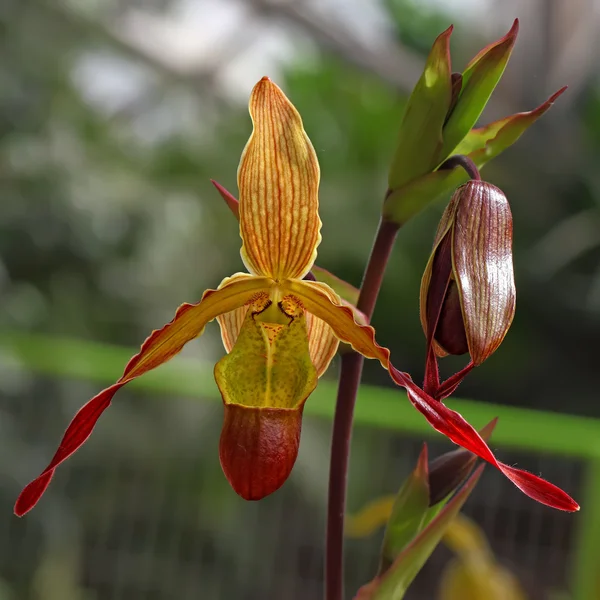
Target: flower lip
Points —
{"points": [[258, 448]]}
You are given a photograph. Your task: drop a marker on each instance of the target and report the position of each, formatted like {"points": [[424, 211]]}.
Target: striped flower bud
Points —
{"points": [[468, 290]]}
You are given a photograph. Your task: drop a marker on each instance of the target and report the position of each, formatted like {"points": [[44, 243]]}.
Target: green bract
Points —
{"points": [[439, 119], [479, 80], [420, 138], [392, 584]]}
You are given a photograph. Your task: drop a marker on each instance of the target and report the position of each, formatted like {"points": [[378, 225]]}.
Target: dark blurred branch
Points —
{"points": [[200, 81], [86, 26], [393, 63]]}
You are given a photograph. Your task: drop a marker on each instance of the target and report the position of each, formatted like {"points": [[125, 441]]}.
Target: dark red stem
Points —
{"points": [[460, 160], [350, 374]]}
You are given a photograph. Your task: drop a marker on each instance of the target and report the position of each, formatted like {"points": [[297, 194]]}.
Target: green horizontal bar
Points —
{"points": [[387, 408]]}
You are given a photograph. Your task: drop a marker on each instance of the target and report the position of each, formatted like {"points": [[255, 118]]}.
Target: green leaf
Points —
{"points": [[445, 474], [485, 143], [481, 145], [408, 512], [478, 82], [420, 138], [392, 585], [407, 201]]}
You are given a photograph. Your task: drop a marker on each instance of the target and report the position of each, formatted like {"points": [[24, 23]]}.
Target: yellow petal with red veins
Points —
{"points": [[264, 382], [278, 179], [190, 320], [322, 343], [321, 301], [231, 324], [159, 347]]}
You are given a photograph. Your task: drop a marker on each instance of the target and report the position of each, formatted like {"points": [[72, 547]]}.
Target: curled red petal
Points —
{"points": [[539, 489], [78, 431], [162, 345], [451, 424]]}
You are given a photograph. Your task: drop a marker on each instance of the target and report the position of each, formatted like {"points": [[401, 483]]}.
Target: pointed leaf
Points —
{"points": [[420, 137], [480, 145], [447, 473], [478, 82], [485, 143], [408, 512], [394, 583]]}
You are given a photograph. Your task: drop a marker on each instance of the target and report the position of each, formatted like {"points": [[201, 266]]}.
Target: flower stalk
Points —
{"points": [[461, 160], [350, 375]]}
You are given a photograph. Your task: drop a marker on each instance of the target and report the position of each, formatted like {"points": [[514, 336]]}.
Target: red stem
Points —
{"points": [[350, 374], [460, 160]]}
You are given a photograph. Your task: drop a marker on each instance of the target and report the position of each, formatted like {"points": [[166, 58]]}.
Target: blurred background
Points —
{"points": [[114, 114]]}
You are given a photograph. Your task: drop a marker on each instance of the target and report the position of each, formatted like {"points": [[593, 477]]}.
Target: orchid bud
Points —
{"points": [[448, 472], [468, 290]]}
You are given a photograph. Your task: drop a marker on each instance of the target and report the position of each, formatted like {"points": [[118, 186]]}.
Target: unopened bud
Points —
{"points": [[468, 290]]}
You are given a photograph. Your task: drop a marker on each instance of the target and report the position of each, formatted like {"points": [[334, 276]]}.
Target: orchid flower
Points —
{"points": [[280, 331]]}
